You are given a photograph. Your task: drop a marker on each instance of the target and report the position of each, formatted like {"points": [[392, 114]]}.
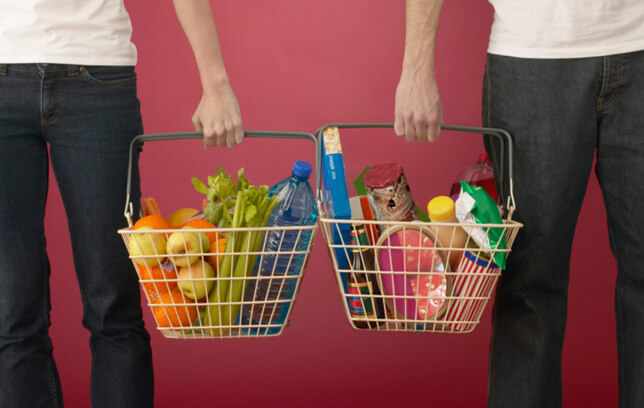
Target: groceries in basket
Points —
{"points": [[252, 207], [365, 298], [474, 205], [268, 299], [171, 269], [389, 192], [335, 190], [413, 272], [451, 237], [195, 275], [435, 271], [479, 174], [473, 285]]}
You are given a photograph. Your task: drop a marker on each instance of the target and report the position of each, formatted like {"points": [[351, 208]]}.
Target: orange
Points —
{"points": [[169, 310], [153, 220], [219, 247], [201, 223], [156, 280]]}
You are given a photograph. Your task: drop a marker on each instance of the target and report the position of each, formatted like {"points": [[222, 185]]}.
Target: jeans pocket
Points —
{"points": [[109, 75]]}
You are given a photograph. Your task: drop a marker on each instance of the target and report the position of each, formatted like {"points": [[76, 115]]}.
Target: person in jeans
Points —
{"points": [[68, 96], [566, 79]]}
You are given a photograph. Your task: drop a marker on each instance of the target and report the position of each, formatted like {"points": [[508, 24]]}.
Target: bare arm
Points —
{"points": [[419, 110], [218, 114]]}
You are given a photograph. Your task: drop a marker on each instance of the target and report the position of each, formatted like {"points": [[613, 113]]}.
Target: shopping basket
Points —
{"points": [[411, 285], [233, 298]]}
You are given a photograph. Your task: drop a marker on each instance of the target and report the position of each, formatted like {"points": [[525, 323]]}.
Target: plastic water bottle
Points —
{"points": [[278, 273]]}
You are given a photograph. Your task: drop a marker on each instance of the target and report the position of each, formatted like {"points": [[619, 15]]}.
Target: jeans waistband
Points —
{"points": [[70, 69]]}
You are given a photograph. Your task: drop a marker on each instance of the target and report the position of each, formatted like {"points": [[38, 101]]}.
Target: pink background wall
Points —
{"points": [[295, 65]]}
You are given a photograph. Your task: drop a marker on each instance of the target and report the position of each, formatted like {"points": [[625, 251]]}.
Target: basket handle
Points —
{"points": [[255, 134], [502, 135]]}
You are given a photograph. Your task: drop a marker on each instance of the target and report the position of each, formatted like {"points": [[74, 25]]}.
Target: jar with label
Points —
{"points": [[389, 192]]}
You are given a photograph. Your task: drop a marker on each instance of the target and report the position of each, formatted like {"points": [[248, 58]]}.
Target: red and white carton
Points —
{"points": [[471, 288]]}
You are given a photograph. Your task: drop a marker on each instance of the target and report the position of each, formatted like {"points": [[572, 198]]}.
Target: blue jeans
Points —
{"points": [[561, 113], [87, 116]]}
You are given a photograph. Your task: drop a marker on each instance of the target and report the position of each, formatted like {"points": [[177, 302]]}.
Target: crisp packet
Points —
{"points": [[474, 205]]}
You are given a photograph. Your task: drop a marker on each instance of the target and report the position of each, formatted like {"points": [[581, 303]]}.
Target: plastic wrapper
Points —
{"points": [[474, 205]]}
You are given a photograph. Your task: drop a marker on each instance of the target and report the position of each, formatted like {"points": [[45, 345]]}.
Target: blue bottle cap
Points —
{"points": [[302, 169]]}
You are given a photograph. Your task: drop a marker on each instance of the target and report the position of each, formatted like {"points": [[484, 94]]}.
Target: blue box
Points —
{"points": [[336, 194]]}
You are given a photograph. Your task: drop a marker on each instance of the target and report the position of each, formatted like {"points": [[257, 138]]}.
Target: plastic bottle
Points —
{"points": [[441, 209], [297, 208], [479, 174]]}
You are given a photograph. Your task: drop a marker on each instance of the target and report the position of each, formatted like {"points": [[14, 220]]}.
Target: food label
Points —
{"points": [[360, 306]]}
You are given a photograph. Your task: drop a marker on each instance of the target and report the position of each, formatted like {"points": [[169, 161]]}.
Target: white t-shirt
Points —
{"points": [[83, 32], [566, 28]]}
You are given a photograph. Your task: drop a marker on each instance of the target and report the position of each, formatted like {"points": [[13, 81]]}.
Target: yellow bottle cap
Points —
{"points": [[441, 208]]}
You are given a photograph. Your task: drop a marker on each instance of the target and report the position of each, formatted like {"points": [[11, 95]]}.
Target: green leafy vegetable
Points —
{"points": [[234, 205]]}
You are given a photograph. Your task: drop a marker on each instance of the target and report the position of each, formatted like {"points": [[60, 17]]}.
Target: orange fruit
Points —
{"points": [[170, 311], [181, 215], [156, 280], [201, 223], [154, 221], [219, 247]]}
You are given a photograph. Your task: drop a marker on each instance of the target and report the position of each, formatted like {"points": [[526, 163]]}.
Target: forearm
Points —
{"points": [[420, 34], [198, 23], [418, 108], [218, 115]]}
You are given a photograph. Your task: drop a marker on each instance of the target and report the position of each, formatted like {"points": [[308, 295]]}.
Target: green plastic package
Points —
{"points": [[474, 204]]}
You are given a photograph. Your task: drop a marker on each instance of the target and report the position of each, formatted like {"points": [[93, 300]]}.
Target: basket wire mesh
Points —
{"points": [[254, 305]]}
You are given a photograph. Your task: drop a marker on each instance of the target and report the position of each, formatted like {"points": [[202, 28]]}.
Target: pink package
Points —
{"points": [[417, 285]]}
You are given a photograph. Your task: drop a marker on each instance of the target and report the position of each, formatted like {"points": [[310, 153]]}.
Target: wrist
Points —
{"points": [[214, 84]]}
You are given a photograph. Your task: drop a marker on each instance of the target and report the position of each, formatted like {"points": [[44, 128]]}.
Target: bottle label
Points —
{"points": [[360, 306]]}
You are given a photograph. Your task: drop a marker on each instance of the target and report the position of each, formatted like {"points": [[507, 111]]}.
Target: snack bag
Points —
{"points": [[474, 205]]}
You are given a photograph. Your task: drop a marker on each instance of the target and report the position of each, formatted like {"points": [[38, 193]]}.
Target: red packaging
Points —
{"points": [[387, 187], [475, 279]]}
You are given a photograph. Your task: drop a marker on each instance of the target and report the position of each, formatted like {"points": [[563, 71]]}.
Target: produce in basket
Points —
{"points": [[182, 215], [147, 248], [251, 208], [196, 280], [183, 247], [217, 249], [157, 280], [202, 223], [155, 221], [149, 206], [174, 310]]}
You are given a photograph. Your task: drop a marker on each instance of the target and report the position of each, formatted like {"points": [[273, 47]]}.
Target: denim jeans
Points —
{"points": [[82, 119], [561, 113]]}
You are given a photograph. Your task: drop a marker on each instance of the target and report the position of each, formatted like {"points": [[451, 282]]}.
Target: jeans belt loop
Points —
{"points": [[73, 70], [3, 69]]}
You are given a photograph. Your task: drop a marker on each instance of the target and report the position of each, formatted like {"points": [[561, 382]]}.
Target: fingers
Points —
{"points": [[219, 119], [419, 127], [399, 126], [433, 131], [221, 134], [239, 133]]}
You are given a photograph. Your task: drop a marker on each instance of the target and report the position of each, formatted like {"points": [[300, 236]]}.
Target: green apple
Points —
{"points": [[147, 244], [205, 242], [196, 280], [184, 245]]}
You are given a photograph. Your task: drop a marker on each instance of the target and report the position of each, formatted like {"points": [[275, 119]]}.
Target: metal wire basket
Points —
{"points": [[194, 292], [405, 287]]}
